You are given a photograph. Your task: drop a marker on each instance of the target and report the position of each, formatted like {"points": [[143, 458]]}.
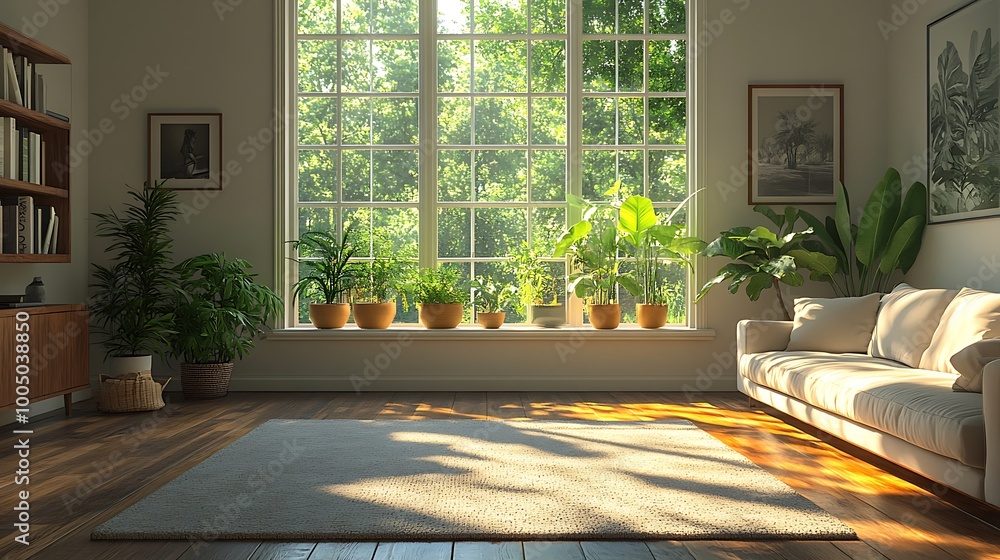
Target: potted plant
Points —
{"points": [[537, 289], [328, 274], [440, 296], [491, 299], [219, 311], [653, 244], [374, 299], [131, 294]]}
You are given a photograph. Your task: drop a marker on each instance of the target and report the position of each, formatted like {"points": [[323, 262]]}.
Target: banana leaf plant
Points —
{"points": [[886, 238], [766, 259]]}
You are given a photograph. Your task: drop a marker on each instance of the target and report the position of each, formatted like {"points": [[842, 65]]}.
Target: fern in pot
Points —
{"points": [[440, 295], [130, 308], [219, 311], [328, 275], [375, 295]]}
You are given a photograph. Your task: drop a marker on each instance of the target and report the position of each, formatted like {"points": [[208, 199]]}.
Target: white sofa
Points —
{"points": [[909, 415]]}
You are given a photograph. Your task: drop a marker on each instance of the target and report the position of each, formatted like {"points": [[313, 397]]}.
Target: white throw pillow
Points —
{"points": [[970, 362], [837, 325], [972, 316], [907, 319]]}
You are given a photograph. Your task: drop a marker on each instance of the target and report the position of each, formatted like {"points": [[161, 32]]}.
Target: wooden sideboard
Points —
{"points": [[59, 353]]}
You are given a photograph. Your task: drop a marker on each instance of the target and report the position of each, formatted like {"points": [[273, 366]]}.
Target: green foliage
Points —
{"points": [[535, 285], [219, 309], [886, 238], [491, 296], [130, 305], [437, 285], [377, 280], [329, 272], [764, 259]]}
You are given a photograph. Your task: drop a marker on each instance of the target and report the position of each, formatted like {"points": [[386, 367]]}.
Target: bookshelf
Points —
{"points": [[56, 135]]}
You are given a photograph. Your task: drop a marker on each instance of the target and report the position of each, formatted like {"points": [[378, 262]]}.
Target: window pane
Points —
{"points": [[453, 16], [360, 220], [455, 233], [357, 175], [394, 232], [668, 121], [630, 120], [501, 175], [317, 219], [598, 16], [394, 175], [394, 120], [501, 66], [454, 120], [667, 175], [548, 175], [548, 66], [501, 16], [501, 120], [356, 72], [317, 66], [548, 120], [548, 16], [667, 16], [630, 65], [547, 224], [630, 16], [454, 66], [317, 121], [498, 230], [395, 16], [599, 66], [356, 125], [355, 15], [318, 175], [598, 121], [667, 66], [455, 175], [317, 16], [630, 172], [395, 65], [598, 173]]}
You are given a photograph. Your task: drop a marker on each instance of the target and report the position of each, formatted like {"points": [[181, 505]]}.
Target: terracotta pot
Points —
{"points": [[651, 316], [491, 320], [440, 315], [329, 315], [548, 316], [374, 315], [206, 381], [605, 316]]}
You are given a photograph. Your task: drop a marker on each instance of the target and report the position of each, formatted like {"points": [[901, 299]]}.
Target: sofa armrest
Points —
{"points": [[991, 418], [753, 337]]}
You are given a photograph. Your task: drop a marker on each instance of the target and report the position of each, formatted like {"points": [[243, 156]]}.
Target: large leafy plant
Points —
{"points": [[492, 296], [886, 238], [765, 259], [220, 310], [326, 260], [130, 306], [535, 283]]}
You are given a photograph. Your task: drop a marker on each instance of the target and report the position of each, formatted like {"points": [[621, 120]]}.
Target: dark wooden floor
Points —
{"points": [[87, 468]]}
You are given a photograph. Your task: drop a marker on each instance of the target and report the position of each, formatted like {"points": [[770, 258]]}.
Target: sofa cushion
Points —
{"points": [[834, 325], [970, 362], [907, 319], [914, 405], [972, 316]]}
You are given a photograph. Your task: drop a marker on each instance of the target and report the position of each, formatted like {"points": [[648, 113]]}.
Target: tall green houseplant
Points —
{"points": [[131, 300]]}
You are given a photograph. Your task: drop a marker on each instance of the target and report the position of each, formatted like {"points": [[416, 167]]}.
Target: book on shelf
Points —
{"points": [[8, 148], [13, 87], [54, 247], [25, 225], [56, 115], [40, 99], [45, 222], [8, 231]]}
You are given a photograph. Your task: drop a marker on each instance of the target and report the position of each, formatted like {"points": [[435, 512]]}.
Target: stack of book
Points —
{"points": [[26, 228], [22, 153], [21, 84]]}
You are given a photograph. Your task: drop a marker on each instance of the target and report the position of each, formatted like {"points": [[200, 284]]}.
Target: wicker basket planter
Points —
{"points": [[206, 381], [131, 392]]}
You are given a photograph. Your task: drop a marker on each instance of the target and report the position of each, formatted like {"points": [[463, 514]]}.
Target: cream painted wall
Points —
{"points": [[954, 254], [63, 26], [226, 65]]}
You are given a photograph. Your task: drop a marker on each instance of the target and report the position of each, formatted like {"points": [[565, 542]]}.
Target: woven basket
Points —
{"points": [[132, 392], [206, 381]]}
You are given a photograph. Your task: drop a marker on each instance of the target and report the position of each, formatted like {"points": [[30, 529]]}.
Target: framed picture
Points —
{"points": [[962, 115], [185, 150], [796, 143]]}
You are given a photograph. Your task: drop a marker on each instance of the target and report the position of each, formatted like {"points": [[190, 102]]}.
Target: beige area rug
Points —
{"points": [[448, 480]]}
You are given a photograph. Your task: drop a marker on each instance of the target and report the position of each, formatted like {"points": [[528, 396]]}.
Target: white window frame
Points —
{"points": [[286, 156]]}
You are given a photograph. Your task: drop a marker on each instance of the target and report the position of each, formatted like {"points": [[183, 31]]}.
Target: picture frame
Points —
{"points": [[963, 174], [185, 151], [796, 143]]}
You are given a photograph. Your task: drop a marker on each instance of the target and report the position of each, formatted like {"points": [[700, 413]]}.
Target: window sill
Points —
{"points": [[507, 332]]}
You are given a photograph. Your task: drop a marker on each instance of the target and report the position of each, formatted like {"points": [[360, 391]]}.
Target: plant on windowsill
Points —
{"points": [[653, 245], [375, 295], [218, 312], [440, 296], [327, 275], [129, 307], [537, 288], [491, 300]]}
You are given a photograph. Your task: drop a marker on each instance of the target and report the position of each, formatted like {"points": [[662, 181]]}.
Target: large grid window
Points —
{"points": [[491, 166]]}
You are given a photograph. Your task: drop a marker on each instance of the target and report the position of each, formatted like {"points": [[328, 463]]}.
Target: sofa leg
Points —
{"points": [[751, 403]]}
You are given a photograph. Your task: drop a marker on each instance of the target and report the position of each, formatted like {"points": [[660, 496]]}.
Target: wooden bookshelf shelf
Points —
{"points": [[55, 135]]}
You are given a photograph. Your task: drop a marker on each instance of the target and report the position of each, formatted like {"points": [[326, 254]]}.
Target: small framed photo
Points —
{"points": [[796, 138], [185, 150]]}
